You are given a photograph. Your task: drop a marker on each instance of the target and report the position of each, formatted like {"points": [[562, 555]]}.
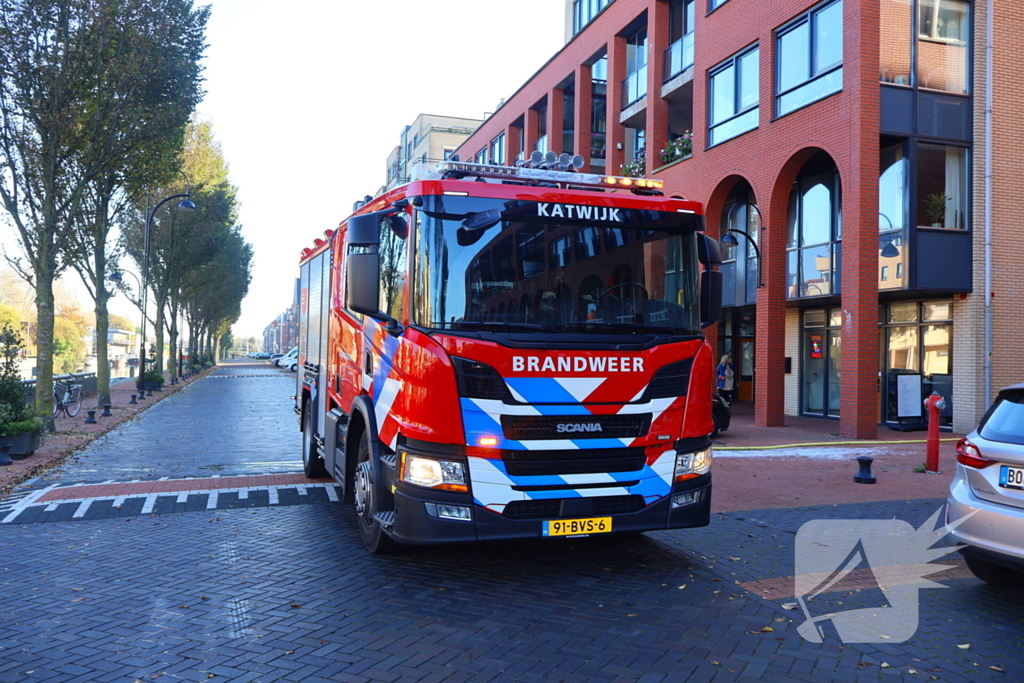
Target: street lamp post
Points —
{"points": [[730, 240], [185, 204], [118, 277]]}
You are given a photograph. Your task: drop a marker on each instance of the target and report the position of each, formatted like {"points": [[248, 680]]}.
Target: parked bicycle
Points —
{"points": [[67, 398]]}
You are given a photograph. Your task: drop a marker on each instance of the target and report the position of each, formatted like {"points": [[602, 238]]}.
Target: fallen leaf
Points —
{"points": [[296, 606], [780, 618], [998, 668], [631, 615], [715, 662], [203, 597], [965, 646], [911, 671], [78, 600], [682, 587], [716, 579], [884, 665], [288, 652], [78, 589], [789, 605], [735, 559], [767, 629]]}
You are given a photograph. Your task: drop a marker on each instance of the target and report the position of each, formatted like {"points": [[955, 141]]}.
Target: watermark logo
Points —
{"points": [[887, 554]]}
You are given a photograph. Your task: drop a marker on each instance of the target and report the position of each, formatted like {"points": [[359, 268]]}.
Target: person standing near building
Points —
{"points": [[726, 379]]}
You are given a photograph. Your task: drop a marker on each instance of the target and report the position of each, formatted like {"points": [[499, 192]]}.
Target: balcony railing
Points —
{"points": [[679, 57], [634, 87]]}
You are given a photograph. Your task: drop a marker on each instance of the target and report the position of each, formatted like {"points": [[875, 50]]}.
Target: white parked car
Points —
{"points": [[989, 483], [284, 361]]}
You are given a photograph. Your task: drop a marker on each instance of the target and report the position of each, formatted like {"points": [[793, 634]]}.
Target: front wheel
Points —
{"points": [[312, 464], [56, 404], [75, 401], [374, 538]]}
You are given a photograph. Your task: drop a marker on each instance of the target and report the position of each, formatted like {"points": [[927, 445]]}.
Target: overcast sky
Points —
{"points": [[308, 97]]}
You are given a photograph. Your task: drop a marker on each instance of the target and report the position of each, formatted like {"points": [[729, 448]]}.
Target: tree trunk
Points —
{"points": [[173, 344], [44, 345], [158, 327], [102, 362]]}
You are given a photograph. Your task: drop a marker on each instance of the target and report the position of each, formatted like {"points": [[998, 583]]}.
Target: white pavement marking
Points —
{"points": [[273, 495], [332, 494], [25, 503], [51, 507], [243, 494], [211, 501], [118, 502], [82, 507], [147, 507], [182, 497]]}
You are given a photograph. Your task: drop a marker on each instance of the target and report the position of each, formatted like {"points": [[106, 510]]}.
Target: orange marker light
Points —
{"points": [[488, 441]]}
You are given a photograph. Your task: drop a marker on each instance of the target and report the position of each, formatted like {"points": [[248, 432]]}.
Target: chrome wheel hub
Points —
{"points": [[363, 491]]}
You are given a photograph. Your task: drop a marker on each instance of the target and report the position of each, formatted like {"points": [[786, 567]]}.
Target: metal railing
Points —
{"points": [[634, 87]]}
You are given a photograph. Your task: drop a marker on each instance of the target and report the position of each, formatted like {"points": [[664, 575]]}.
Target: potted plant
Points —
{"points": [[634, 169], [153, 380], [678, 148], [935, 208], [20, 428]]}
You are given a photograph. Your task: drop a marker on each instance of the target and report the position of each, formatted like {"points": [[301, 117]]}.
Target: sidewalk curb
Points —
{"points": [[825, 443]]}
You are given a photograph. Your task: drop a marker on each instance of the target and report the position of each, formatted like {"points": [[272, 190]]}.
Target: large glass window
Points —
{"points": [[814, 234], [809, 51], [634, 86], [895, 45], [498, 150], [943, 31], [892, 215], [734, 87], [585, 10], [917, 338], [822, 358], [679, 55], [941, 186], [484, 262]]}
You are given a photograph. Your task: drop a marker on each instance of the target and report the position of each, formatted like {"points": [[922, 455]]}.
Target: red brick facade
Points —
{"points": [[845, 125]]}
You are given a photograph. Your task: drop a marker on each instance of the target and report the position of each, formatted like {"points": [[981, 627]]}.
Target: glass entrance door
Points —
{"points": [[822, 363]]}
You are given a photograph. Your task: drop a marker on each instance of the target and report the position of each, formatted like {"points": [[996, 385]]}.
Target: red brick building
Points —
{"points": [[847, 139]]}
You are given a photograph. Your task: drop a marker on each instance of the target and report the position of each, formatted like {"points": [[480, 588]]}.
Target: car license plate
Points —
{"points": [[575, 527], [1011, 477]]}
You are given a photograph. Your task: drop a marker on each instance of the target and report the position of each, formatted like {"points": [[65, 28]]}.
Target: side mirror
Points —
{"points": [[707, 251], [363, 231], [710, 297], [362, 281]]}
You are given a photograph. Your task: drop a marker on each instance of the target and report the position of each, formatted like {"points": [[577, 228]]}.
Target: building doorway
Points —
{"points": [[822, 362]]}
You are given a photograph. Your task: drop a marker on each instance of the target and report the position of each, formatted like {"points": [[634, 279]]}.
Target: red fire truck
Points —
{"points": [[508, 352]]}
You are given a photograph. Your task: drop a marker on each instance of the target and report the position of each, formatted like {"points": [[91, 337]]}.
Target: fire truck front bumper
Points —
{"points": [[429, 517]]}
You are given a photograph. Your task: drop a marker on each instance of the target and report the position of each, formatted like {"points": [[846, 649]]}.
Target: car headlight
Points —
{"points": [[431, 473], [692, 465]]}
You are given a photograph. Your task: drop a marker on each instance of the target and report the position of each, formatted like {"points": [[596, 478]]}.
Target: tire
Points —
{"points": [[75, 404], [994, 574], [56, 404], [312, 463], [373, 537], [714, 433]]}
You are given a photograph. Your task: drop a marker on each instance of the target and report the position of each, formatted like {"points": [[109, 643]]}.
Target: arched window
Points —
{"points": [[815, 230]]}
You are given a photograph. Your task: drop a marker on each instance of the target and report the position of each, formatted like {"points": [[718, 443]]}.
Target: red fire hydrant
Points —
{"points": [[934, 404]]}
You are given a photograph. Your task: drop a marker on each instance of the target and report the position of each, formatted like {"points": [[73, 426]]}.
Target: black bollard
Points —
{"points": [[91, 420], [106, 411], [149, 392], [5, 455], [864, 476], [133, 401]]}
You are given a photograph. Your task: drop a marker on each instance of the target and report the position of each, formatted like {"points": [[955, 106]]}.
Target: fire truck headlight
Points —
{"points": [[692, 465], [443, 474]]}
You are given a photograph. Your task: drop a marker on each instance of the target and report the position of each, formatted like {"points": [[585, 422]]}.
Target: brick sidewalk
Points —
{"points": [[72, 432]]}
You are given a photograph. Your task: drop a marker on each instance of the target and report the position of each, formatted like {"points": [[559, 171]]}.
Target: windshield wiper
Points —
{"points": [[477, 324]]}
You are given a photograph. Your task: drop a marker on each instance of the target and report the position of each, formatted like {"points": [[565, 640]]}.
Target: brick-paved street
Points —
{"points": [[258, 578]]}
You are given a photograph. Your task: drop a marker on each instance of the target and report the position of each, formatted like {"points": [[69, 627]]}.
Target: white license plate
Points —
{"points": [[1011, 477]]}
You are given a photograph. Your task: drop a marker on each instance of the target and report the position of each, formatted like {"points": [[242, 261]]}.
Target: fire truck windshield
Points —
{"points": [[517, 266]]}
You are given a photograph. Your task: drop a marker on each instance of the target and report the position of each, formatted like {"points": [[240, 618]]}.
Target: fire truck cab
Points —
{"points": [[508, 352]]}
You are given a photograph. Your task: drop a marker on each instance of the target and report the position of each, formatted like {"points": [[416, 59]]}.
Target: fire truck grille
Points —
{"points": [[552, 509], [583, 461], [527, 427]]}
